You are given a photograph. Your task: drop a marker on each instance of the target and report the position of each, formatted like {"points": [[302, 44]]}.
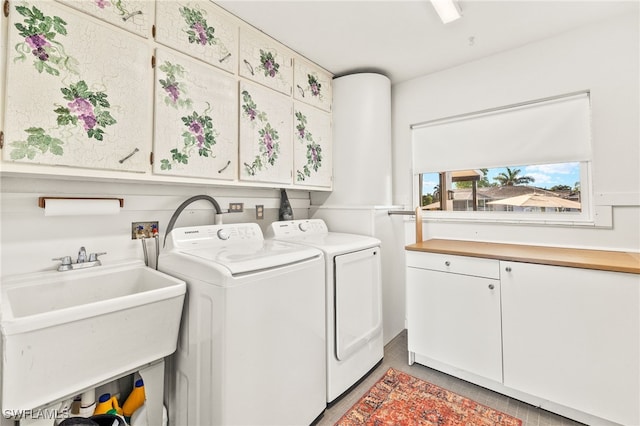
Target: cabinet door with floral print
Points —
{"points": [[200, 29], [132, 15], [312, 146], [312, 85], [265, 135], [77, 92], [196, 119], [265, 61]]}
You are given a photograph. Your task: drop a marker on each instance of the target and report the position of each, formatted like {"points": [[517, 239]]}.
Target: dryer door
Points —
{"points": [[358, 300]]}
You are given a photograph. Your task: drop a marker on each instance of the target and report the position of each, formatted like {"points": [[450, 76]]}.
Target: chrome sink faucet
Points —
{"points": [[82, 255], [82, 262]]}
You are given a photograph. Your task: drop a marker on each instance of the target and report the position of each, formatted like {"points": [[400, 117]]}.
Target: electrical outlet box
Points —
{"points": [[260, 211], [143, 229], [236, 207]]}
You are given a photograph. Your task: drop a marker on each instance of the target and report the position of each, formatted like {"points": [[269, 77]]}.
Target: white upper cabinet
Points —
{"points": [[199, 29], [265, 135], [78, 93], [265, 61], [311, 84], [132, 15], [196, 119], [312, 146]]}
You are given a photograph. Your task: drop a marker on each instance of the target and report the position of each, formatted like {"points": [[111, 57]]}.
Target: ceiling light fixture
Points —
{"points": [[448, 10]]}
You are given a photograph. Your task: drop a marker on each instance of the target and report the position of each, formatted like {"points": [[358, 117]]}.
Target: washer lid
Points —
{"points": [[252, 256]]}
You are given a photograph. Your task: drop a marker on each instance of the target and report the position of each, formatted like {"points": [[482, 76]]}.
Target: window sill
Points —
{"points": [[603, 219]]}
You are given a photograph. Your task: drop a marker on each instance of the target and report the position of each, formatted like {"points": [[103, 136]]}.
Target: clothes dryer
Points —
{"points": [[354, 298], [252, 338]]}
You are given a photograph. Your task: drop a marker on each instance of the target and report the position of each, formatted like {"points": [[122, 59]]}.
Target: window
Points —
{"points": [[547, 188], [528, 161]]}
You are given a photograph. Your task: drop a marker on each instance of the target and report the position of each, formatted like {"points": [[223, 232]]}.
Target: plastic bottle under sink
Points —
{"points": [[107, 404], [134, 401]]}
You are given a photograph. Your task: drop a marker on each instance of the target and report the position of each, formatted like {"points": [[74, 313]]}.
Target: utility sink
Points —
{"points": [[64, 332]]}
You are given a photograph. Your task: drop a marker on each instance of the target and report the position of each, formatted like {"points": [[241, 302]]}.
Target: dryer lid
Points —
{"points": [[336, 243], [314, 232], [253, 256]]}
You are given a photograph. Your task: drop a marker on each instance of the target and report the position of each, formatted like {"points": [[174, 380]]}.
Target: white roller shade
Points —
{"points": [[546, 132]]}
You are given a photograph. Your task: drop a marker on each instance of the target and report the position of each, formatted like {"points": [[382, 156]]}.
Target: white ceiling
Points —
{"points": [[406, 39]]}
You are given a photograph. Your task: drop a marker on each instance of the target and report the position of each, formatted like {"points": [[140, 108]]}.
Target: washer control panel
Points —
{"points": [[214, 235], [296, 228]]}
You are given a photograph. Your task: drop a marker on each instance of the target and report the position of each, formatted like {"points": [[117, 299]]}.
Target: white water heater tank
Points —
{"points": [[361, 141]]}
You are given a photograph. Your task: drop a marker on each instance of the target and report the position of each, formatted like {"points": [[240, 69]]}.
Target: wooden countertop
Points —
{"points": [[615, 261]]}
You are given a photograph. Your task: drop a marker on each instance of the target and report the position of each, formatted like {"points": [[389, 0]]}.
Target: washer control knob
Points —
{"points": [[303, 226], [223, 234]]}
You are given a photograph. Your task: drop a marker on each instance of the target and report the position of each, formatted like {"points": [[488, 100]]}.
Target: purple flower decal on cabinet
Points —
{"points": [[268, 140], [122, 9], [39, 32], [250, 109], [314, 150], [268, 64], [200, 135], [197, 30], [86, 108], [269, 146], [174, 88], [91, 109], [314, 85]]}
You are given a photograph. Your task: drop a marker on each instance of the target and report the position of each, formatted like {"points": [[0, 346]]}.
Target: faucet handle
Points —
{"points": [[94, 256], [66, 263]]}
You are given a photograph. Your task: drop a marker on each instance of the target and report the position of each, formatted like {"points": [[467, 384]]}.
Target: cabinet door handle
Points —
{"points": [[491, 286], [508, 269], [447, 263]]}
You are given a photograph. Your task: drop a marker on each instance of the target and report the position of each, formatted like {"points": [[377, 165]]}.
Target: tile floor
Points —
{"points": [[395, 355]]}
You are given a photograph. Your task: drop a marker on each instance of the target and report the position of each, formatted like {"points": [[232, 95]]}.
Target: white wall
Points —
{"points": [[603, 58]]}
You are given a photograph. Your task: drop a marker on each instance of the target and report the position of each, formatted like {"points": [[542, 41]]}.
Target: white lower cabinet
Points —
{"points": [[566, 339], [454, 318], [571, 336]]}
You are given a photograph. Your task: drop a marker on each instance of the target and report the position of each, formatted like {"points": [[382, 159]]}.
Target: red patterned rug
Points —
{"points": [[399, 399]]}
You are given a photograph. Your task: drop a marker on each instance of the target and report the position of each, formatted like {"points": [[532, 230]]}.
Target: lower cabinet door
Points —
{"points": [[455, 319], [572, 336]]}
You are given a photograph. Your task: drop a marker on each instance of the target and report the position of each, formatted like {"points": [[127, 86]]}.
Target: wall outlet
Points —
{"points": [[143, 229], [236, 207], [259, 211]]}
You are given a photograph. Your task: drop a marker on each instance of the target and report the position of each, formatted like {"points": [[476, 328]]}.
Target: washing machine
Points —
{"points": [[251, 348], [354, 298]]}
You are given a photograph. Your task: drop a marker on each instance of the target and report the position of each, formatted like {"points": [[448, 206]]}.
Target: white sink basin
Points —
{"points": [[63, 332]]}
